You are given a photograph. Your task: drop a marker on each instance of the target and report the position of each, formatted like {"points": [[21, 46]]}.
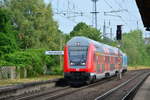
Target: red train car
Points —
{"points": [[86, 60]]}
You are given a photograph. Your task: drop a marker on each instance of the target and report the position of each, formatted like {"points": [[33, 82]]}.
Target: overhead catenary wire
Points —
{"points": [[115, 13], [69, 10]]}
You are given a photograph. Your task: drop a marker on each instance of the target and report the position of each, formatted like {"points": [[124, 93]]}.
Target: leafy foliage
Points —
{"points": [[34, 23], [33, 60], [26, 26], [133, 45], [83, 29], [27, 30], [8, 41]]}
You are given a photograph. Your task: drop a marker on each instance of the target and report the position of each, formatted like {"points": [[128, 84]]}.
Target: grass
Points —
{"points": [[25, 80], [48, 77], [138, 67]]}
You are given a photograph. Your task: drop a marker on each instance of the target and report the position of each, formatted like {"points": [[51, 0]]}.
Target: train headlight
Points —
{"points": [[83, 63], [71, 63]]}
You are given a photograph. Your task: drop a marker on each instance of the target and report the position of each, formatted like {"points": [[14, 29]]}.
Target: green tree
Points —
{"points": [[133, 45], [28, 24], [82, 29], [8, 37], [35, 24]]}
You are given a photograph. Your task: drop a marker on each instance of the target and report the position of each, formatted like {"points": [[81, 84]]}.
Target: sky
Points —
{"points": [[68, 13]]}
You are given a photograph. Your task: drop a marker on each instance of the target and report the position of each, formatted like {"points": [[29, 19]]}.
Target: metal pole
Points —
{"points": [[104, 30], [119, 65], [111, 34], [95, 15], [60, 49], [94, 12], [137, 24]]}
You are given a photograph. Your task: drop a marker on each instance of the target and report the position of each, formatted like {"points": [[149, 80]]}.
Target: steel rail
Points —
{"points": [[101, 97], [99, 82], [132, 92], [7, 92], [65, 93], [42, 93], [78, 89], [73, 90]]}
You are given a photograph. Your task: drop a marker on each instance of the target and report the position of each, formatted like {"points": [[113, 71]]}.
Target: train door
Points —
{"points": [[98, 64], [106, 63], [112, 63], [116, 62], [103, 64], [120, 62]]}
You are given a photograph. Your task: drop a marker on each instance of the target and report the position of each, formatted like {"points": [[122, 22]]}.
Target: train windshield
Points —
{"points": [[77, 56]]}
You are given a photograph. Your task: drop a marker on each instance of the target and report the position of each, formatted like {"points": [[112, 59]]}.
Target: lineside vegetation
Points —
{"points": [[27, 30]]}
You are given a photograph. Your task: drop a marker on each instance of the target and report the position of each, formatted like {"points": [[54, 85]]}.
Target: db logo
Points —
{"points": [[77, 69]]}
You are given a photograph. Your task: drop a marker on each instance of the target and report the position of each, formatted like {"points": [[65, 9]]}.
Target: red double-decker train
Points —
{"points": [[86, 60]]}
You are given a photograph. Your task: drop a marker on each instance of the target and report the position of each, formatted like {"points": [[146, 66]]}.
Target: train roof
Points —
{"points": [[99, 46], [124, 54]]}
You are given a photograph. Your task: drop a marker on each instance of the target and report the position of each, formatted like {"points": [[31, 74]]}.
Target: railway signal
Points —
{"points": [[119, 32], [119, 37]]}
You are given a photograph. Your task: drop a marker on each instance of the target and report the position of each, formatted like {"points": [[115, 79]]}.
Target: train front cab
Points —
{"points": [[78, 63]]}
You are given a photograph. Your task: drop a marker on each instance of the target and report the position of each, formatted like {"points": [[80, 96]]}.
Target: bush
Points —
{"points": [[5, 63], [32, 60], [55, 70]]}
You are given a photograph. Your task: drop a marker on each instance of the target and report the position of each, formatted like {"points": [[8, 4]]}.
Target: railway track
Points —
{"points": [[12, 91], [51, 95], [57, 92], [39, 94], [126, 90], [90, 93]]}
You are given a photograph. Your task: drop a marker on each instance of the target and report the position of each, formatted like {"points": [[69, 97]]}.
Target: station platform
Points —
{"points": [[144, 91]]}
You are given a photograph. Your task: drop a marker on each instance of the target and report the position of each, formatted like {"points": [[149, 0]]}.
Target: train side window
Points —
{"points": [[94, 58], [106, 59], [98, 59], [113, 61], [97, 63], [103, 68], [116, 60], [101, 59]]}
